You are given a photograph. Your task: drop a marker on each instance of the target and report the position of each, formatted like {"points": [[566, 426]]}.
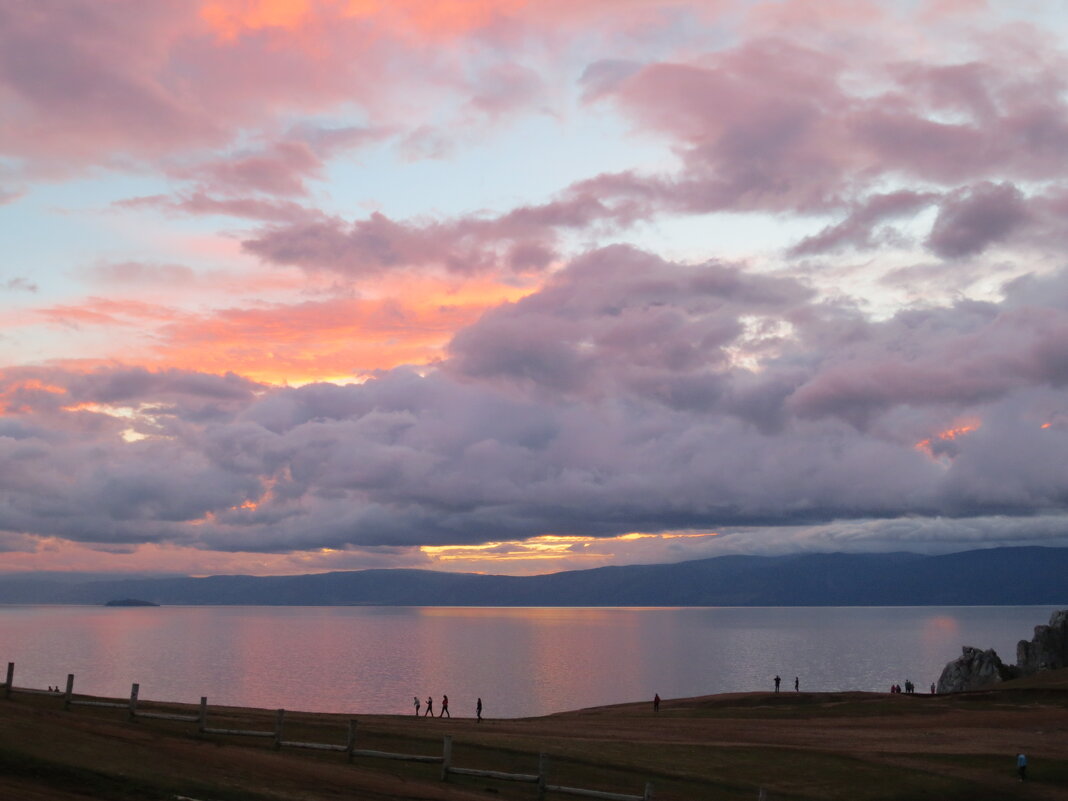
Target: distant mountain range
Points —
{"points": [[997, 576]]}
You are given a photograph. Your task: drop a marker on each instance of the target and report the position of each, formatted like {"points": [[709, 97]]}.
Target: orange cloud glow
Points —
{"points": [[435, 18], [228, 18], [338, 339], [958, 430], [54, 554], [426, 20], [551, 552], [406, 321], [14, 397]]}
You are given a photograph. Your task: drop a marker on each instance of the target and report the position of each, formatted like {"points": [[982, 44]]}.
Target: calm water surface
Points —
{"points": [[521, 661]]}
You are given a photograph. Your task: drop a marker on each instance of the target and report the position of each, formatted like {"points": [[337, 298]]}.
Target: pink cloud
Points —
{"points": [[858, 229], [280, 170], [775, 125], [522, 240], [121, 82], [198, 203], [970, 220]]}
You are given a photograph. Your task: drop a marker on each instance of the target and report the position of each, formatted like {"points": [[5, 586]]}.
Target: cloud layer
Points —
{"points": [[329, 282], [630, 394]]}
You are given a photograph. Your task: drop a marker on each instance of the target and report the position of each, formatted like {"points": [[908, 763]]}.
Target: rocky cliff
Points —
{"points": [[973, 670], [1048, 650], [976, 669]]}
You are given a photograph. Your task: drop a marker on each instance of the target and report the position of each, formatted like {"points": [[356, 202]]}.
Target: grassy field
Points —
{"points": [[794, 745]]}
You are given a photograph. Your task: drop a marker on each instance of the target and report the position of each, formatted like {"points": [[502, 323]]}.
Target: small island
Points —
{"points": [[130, 602]]}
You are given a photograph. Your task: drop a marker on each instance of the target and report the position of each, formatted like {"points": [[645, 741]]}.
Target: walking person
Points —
{"points": [[415, 703], [797, 684], [1021, 766], [478, 710], [429, 706], [444, 707], [656, 702], [777, 681]]}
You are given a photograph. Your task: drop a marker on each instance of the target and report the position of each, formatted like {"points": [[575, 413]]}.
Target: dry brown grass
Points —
{"points": [[796, 745]]}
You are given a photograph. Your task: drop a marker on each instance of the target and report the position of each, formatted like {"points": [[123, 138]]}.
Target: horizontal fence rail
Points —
{"points": [[553, 788], [349, 747]]}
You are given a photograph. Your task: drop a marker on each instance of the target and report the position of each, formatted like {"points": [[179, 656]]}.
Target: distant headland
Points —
{"points": [[995, 576], [130, 602]]}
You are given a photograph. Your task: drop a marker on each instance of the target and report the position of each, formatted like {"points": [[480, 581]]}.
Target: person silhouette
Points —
{"points": [[656, 702], [797, 684], [429, 707], [444, 707], [415, 703], [777, 681], [478, 710]]}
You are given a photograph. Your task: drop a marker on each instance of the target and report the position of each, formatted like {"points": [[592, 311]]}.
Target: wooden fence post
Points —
{"points": [[279, 722], [543, 774], [446, 757], [350, 743], [134, 689], [10, 679], [202, 720], [70, 692], [648, 792]]}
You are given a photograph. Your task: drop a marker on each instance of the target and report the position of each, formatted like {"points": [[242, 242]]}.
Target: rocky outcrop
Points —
{"points": [[974, 670], [1048, 650]]}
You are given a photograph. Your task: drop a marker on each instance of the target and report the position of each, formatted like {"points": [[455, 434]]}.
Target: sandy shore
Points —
{"points": [[794, 745]]}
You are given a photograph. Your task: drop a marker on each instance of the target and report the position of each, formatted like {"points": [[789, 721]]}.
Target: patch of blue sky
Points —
{"points": [[527, 163], [728, 236], [57, 230], [48, 341]]}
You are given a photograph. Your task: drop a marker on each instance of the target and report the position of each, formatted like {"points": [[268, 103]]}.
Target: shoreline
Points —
{"points": [[818, 745]]}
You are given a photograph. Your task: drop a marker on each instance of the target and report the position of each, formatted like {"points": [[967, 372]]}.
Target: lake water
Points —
{"points": [[521, 661]]}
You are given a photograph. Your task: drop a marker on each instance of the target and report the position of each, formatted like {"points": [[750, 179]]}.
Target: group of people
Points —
{"points": [[910, 688], [797, 684], [444, 713]]}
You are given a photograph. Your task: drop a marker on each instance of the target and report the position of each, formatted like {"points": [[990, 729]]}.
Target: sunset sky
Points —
{"points": [[518, 286]]}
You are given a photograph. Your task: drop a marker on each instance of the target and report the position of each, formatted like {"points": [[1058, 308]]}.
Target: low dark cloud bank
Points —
{"points": [[629, 394]]}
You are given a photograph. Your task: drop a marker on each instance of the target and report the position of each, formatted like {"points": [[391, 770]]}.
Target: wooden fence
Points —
{"points": [[349, 748]]}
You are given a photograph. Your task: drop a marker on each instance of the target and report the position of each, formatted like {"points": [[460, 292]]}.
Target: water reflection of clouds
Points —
{"points": [[520, 661], [527, 614]]}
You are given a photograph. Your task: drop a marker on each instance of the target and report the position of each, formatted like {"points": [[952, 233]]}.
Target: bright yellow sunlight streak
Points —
{"points": [[547, 547]]}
